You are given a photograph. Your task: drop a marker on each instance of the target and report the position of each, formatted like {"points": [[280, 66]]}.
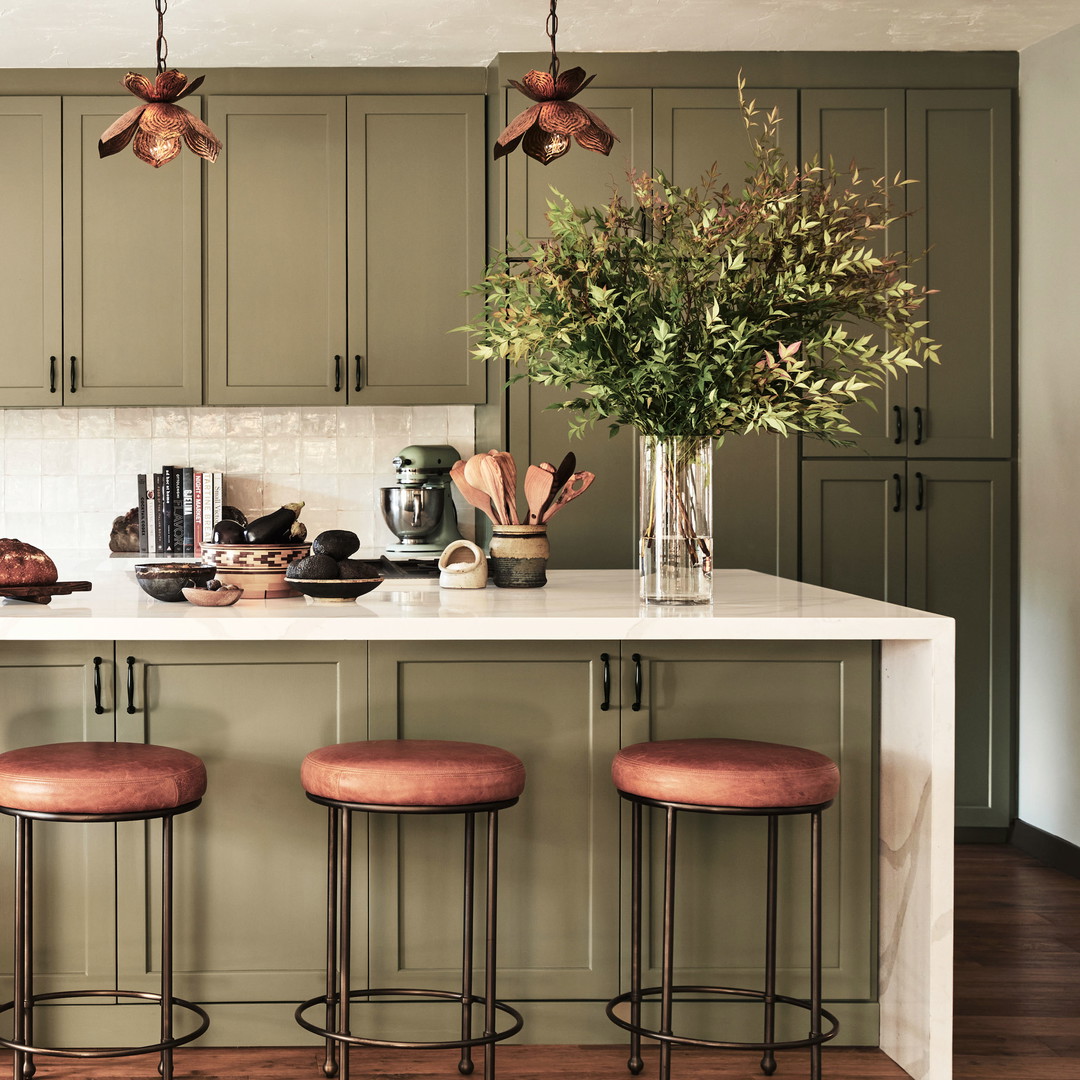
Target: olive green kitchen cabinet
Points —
{"points": [[756, 477], [817, 695], [250, 861], [51, 693], [934, 535], [102, 305], [342, 234], [956, 145]]}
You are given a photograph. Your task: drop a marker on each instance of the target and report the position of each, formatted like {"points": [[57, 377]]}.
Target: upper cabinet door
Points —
{"points": [[864, 128], [960, 152], [276, 252], [416, 243], [30, 285], [132, 268]]}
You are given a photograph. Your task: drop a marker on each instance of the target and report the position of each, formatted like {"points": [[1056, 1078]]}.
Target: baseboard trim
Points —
{"points": [[1047, 848], [980, 834]]}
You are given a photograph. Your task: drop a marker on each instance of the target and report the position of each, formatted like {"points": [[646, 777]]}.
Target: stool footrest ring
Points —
{"points": [[732, 991], [109, 1052], [442, 995]]}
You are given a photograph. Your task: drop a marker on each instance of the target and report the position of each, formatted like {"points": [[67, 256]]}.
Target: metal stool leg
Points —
{"points": [[166, 1067], [24, 899], [489, 951], [333, 829], [465, 1065], [768, 1059], [344, 957], [634, 1062], [815, 942], [668, 963]]}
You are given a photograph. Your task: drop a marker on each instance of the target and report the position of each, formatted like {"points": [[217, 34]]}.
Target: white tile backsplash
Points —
{"points": [[67, 473]]}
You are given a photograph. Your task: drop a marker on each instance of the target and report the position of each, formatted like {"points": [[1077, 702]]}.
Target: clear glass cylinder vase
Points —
{"points": [[675, 503]]}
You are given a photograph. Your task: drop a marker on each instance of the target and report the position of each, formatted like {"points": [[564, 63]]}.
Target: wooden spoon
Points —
{"points": [[473, 495], [509, 474], [537, 489], [493, 485], [562, 474], [577, 485]]}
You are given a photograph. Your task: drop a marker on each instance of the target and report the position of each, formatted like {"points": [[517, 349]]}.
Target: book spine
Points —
{"points": [[156, 519], [197, 489], [219, 495], [144, 529], [187, 510], [167, 510], [178, 510], [209, 521]]}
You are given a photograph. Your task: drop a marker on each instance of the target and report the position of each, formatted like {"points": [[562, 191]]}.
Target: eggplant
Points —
{"points": [[273, 528], [228, 531]]}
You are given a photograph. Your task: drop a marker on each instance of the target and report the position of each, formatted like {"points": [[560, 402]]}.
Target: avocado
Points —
{"points": [[337, 543], [355, 568], [313, 567]]}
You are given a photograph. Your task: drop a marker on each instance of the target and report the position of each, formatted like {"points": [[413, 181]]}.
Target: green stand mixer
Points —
{"points": [[419, 508]]}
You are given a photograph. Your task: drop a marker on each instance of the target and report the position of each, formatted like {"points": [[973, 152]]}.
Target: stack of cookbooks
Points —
{"points": [[178, 509]]}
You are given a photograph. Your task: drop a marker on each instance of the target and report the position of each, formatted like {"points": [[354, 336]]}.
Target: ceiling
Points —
{"points": [[382, 33]]}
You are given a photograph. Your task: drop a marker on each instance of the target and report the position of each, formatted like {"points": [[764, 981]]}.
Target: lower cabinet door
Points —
{"points": [[559, 846], [48, 690], [250, 915], [817, 695]]}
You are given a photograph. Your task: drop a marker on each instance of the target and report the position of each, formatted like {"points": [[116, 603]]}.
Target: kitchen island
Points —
{"points": [[913, 756]]}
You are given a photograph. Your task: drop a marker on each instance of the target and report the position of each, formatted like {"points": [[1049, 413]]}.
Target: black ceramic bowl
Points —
{"points": [[334, 590], [166, 581]]}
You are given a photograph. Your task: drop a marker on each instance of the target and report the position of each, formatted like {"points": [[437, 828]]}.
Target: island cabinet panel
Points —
{"points": [[817, 695], [48, 690], [865, 130], [416, 243], [251, 860], [335, 275], [934, 535], [559, 846], [276, 268], [31, 294], [960, 153]]}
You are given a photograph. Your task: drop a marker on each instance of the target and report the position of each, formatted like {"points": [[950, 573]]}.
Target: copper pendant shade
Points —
{"points": [[156, 127], [544, 130]]}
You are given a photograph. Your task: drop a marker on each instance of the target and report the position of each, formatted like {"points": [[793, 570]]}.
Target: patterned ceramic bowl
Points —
{"points": [[259, 569]]}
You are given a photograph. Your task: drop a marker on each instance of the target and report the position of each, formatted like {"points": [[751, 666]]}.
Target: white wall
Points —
{"points": [[66, 473], [1049, 745]]}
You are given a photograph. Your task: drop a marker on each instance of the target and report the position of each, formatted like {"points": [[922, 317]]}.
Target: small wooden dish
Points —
{"points": [[212, 597]]}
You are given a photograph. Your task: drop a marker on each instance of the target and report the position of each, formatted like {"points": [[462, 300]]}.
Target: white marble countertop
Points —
{"points": [[574, 605]]}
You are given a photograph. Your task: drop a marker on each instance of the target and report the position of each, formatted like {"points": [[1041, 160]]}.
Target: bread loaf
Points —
{"points": [[24, 564]]}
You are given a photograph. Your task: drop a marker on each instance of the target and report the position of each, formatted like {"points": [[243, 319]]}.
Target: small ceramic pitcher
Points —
{"points": [[518, 556]]}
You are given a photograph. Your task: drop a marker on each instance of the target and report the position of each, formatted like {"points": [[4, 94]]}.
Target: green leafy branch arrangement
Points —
{"points": [[702, 312]]}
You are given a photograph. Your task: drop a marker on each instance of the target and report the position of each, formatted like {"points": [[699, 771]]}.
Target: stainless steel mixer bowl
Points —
{"points": [[412, 512]]}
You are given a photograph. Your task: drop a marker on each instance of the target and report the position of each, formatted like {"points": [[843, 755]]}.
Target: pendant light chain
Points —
{"points": [[162, 45], [552, 27]]}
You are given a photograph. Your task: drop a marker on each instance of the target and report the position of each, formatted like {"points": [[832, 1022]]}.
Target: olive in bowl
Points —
{"points": [[166, 581]]}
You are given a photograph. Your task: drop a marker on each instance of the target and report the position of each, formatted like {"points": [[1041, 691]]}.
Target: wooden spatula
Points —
{"points": [[577, 485], [537, 489], [562, 474], [473, 495]]}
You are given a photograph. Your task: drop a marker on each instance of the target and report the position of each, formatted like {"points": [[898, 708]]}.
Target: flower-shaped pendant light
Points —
{"points": [[544, 130], [159, 124]]}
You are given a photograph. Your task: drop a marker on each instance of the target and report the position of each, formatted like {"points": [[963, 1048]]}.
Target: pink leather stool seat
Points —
{"points": [[99, 778], [413, 772], [726, 772]]}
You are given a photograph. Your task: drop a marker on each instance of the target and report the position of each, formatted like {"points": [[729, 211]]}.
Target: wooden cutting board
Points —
{"points": [[42, 594]]}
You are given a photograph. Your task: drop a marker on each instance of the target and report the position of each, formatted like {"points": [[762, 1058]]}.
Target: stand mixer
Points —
{"points": [[419, 509]]}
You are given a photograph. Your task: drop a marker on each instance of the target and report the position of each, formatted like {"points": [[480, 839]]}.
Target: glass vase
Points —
{"points": [[675, 503]]}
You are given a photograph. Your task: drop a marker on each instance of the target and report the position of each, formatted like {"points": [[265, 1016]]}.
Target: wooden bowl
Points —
{"points": [[259, 569], [212, 597]]}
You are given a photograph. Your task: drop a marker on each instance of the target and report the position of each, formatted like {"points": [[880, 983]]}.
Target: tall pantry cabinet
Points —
{"points": [[920, 510]]}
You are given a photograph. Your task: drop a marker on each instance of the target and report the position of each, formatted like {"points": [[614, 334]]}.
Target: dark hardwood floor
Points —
{"points": [[1017, 1007]]}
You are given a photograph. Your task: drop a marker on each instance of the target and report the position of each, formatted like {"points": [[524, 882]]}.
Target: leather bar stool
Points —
{"points": [[410, 776], [94, 782], [724, 776]]}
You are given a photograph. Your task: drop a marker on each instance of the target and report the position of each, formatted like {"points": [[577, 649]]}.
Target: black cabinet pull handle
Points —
{"points": [[98, 707], [337, 374], [74, 385], [919, 491], [918, 426], [606, 703], [131, 684], [636, 707], [898, 415], [899, 493], [359, 373], [52, 374]]}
